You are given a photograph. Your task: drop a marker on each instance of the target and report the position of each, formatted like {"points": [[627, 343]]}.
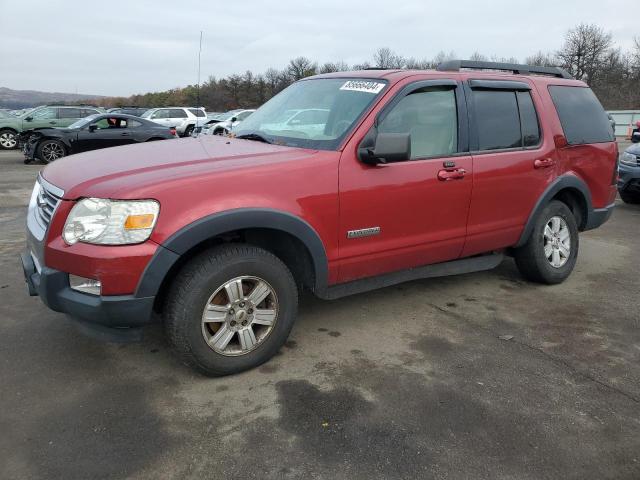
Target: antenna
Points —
{"points": [[198, 128]]}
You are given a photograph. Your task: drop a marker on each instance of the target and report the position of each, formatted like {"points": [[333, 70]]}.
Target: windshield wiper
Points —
{"points": [[254, 136]]}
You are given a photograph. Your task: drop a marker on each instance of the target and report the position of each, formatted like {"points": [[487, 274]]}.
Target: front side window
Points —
{"points": [[497, 119], [111, 122], [243, 115], [344, 99], [430, 117], [582, 117]]}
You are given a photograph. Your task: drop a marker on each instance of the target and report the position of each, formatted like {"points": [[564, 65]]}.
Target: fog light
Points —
{"points": [[85, 285]]}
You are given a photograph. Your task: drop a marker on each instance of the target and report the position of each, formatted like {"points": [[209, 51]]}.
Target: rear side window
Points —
{"points": [[177, 113], [528, 120], [197, 112], [498, 120], [70, 113], [582, 117]]}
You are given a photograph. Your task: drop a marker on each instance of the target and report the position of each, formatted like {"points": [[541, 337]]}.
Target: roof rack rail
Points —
{"points": [[456, 65]]}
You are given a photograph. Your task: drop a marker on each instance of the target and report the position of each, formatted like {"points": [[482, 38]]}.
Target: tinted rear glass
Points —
{"points": [[528, 119], [582, 117]]}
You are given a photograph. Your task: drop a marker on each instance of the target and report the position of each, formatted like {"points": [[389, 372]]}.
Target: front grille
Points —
{"points": [[46, 203]]}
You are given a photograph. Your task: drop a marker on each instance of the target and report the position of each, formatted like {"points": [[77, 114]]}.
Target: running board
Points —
{"points": [[455, 267]]}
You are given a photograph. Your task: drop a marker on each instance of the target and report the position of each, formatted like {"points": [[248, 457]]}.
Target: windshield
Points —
{"points": [[84, 121], [313, 113], [227, 116]]}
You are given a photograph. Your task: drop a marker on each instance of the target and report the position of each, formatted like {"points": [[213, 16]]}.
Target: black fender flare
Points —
{"points": [[560, 183], [210, 226]]}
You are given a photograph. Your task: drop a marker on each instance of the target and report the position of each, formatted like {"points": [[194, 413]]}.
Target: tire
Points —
{"points": [[532, 259], [8, 139], [188, 131], [220, 131], [51, 150], [630, 198], [199, 289]]}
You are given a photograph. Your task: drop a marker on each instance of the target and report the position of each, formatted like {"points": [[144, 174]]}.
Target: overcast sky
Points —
{"points": [[125, 47]]}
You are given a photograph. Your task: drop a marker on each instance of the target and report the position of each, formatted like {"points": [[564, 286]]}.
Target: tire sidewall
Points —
{"points": [[206, 284], [553, 274]]}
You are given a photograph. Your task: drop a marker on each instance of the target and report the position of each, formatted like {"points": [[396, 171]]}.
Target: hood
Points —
{"points": [[634, 149], [132, 170]]}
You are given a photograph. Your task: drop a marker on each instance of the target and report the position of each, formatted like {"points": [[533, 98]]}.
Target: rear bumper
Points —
{"points": [[111, 311], [598, 216]]}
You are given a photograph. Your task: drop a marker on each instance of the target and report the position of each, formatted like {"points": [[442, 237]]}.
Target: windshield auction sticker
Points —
{"points": [[362, 86]]}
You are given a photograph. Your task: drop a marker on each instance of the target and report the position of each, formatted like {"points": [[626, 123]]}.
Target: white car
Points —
{"points": [[185, 120], [226, 122], [310, 120]]}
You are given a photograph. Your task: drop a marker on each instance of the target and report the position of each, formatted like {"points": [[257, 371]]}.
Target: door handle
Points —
{"points": [[125, 134], [446, 175], [52, 123], [544, 163]]}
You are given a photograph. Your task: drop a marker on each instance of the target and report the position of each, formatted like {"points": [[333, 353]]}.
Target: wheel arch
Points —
{"points": [[570, 190], [289, 237]]}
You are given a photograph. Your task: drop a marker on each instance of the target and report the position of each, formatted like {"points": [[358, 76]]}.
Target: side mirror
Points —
{"points": [[234, 119], [635, 138], [388, 147], [93, 128]]}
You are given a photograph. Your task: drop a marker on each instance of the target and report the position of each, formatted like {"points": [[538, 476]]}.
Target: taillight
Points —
{"points": [[173, 131]]}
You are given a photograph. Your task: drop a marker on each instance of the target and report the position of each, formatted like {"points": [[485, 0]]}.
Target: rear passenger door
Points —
{"points": [[513, 161]]}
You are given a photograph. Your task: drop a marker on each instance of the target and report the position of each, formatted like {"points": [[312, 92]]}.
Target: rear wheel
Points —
{"points": [[629, 197], [552, 249], [8, 139], [50, 150], [230, 309], [188, 131]]}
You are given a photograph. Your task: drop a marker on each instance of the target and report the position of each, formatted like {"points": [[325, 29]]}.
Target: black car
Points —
{"points": [[135, 111], [90, 133]]}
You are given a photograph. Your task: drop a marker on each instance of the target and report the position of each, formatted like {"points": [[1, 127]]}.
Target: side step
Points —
{"points": [[455, 267]]}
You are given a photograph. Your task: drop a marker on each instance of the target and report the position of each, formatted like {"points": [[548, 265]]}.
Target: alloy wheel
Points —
{"points": [[8, 140], [239, 316], [557, 241], [52, 151]]}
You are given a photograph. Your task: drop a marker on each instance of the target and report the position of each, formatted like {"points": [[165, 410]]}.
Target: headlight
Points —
{"points": [[110, 222], [629, 159]]}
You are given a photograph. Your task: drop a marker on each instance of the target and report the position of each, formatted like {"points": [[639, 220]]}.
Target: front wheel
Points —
{"points": [[8, 139], [552, 249], [50, 150], [230, 309]]}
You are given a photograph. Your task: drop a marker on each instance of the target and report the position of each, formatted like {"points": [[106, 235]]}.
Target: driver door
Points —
{"points": [[103, 134], [401, 215]]}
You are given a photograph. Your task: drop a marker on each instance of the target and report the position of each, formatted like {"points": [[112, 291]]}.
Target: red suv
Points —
{"points": [[388, 176]]}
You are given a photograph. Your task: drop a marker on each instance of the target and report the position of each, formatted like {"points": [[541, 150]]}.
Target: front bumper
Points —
{"points": [[110, 311]]}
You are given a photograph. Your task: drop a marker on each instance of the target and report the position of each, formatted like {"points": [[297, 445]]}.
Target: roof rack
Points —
{"points": [[456, 65]]}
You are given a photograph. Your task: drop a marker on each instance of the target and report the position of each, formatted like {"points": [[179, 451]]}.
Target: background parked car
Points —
{"points": [[135, 111], [185, 120], [224, 123], [91, 133], [45, 116], [629, 175]]}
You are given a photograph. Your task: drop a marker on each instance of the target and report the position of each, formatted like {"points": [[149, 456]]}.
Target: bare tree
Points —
{"points": [[338, 66], [384, 57], [584, 50], [301, 67], [478, 57], [542, 59]]}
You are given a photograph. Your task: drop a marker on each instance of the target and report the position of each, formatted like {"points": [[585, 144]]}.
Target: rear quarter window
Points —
{"points": [[582, 117]]}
